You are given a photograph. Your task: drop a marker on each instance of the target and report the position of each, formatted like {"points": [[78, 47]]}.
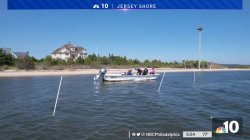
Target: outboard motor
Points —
{"points": [[102, 72]]}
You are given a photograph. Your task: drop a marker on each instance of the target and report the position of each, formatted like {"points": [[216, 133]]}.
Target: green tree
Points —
{"points": [[80, 60], [48, 59], [136, 61], [147, 63], [204, 64], [104, 60], [34, 59], [6, 59]]}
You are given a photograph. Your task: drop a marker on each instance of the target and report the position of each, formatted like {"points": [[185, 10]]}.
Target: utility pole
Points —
{"points": [[199, 47]]}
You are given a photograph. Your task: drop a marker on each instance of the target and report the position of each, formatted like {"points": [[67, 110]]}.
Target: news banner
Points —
{"points": [[221, 127], [124, 4]]}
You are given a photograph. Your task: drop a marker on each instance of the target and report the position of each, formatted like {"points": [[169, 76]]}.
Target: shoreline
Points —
{"points": [[31, 73]]}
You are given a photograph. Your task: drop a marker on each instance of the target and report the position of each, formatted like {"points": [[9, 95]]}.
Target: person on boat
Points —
{"points": [[145, 71], [129, 72], [152, 70], [139, 71]]}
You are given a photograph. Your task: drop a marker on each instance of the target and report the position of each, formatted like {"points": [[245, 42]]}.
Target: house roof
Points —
{"points": [[69, 46], [21, 54], [7, 49]]}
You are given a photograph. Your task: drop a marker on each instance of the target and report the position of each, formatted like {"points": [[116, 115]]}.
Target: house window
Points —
{"points": [[73, 49]]}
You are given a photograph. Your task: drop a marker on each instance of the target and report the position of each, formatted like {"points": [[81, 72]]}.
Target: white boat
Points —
{"points": [[121, 77]]}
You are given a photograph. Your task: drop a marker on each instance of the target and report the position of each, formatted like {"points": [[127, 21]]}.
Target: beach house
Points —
{"points": [[69, 51], [20, 54], [6, 50], [15, 54]]}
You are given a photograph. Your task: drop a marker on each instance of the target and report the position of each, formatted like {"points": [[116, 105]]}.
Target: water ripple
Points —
{"points": [[88, 110]]}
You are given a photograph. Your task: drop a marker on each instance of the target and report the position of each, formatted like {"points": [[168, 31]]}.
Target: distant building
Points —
{"points": [[69, 51], [7, 50], [20, 54], [15, 54]]}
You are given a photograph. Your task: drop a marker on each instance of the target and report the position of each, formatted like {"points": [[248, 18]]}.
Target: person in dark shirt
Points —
{"points": [[139, 71], [145, 71]]}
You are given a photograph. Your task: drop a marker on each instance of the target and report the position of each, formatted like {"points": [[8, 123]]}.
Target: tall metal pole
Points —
{"points": [[199, 49]]}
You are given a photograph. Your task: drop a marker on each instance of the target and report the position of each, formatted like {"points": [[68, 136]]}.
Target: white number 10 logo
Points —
{"points": [[233, 126]]}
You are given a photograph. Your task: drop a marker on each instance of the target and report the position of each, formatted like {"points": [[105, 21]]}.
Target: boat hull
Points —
{"points": [[120, 78]]}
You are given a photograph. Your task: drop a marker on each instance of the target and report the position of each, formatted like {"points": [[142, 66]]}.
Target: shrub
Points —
{"points": [[25, 63], [6, 59]]}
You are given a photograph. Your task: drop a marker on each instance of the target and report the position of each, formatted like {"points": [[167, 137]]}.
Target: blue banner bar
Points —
{"points": [[124, 4]]}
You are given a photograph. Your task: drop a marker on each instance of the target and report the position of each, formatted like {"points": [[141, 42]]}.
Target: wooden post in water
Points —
{"points": [[161, 83], [194, 77], [57, 96]]}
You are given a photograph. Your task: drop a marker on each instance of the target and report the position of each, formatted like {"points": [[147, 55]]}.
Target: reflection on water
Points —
{"points": [[109, 110], [100, 85]]}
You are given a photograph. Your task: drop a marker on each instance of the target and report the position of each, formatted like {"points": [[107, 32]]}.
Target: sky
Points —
{"points": [[167, 35]]}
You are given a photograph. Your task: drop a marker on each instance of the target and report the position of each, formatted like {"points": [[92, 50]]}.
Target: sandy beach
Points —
{"points": [[23, 73]]}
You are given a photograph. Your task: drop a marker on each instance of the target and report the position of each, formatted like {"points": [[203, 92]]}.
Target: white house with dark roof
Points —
{"points": [[69, 51]]}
